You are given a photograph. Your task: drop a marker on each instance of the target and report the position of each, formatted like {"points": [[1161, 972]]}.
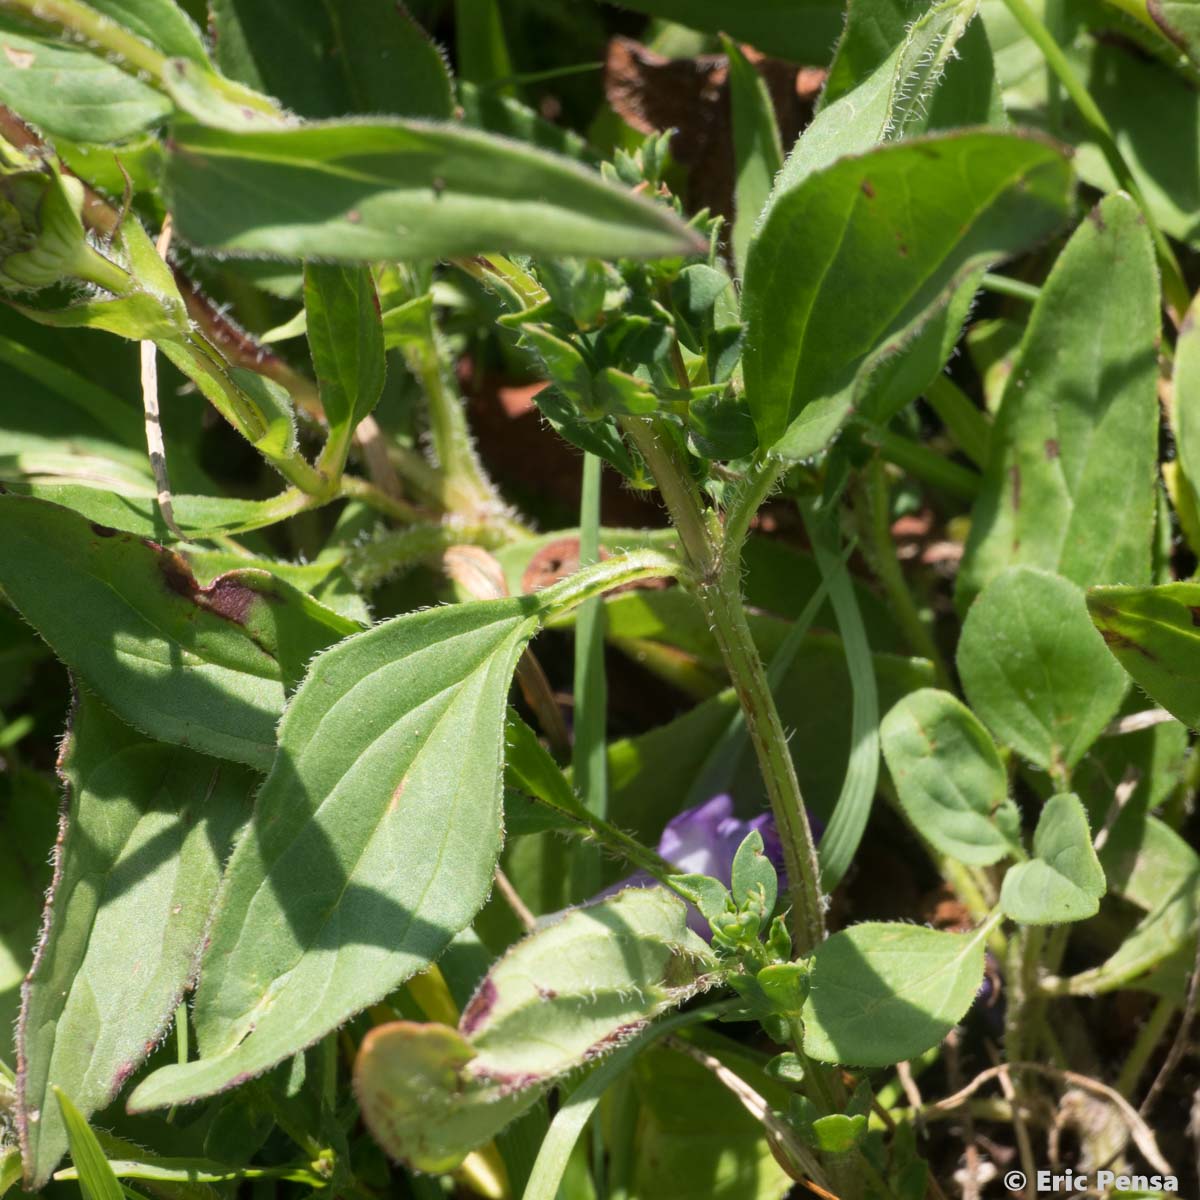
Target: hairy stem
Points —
{"points": [[717, 585]]}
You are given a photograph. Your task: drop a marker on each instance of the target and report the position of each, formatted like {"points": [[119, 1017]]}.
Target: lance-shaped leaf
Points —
{"points": [[201, 667], [1070, 482], [345, 335], [1153, 633], [882, 992], [1185, 412], [373, 841], [566, 994], [1064, 880], [949, 777], [353, 191], [851, 263], [144, 837], [132, 504], [1035, 670]]}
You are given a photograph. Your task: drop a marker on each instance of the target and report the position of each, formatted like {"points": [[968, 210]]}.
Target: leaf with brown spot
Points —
{"points": [[1153, 634], [569, 993], [1070, 482], [201, 667]]}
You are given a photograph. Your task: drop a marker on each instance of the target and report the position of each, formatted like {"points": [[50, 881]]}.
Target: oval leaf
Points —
{"points": [[1035, 670], [1064, 881], [949, 777], [882, 992]]}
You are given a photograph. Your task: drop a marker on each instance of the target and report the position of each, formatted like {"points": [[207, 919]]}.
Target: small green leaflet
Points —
{"points": [[882, 993], [949, 777], [1064, 880], [359, 191], [144, 839], [1152, 633], [202, 667], [373, 841], [852, 261], [345, 336], [1036, 671], [1072, 473]]}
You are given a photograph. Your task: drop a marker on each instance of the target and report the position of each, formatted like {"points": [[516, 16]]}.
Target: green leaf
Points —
{"points": [[899, 94], [205, 667], [1070, 482], [143, 840], [757, 150], [754, 878], [568, 993], [359, 191], [96, 1178], [482, 51], [133, 507], [578, 987], [882, 993], [1036, 671], [28, 821], [1064, 880], [416, 1101], [1152, 633], [162, 23], [838, 1133], [345, 336], [67, 90], [324, 60], [10, 1169], [848, 821], [800, 30], [1186, 410], [694, 1140], [885, 240], [949, 777], [371, 846]]}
